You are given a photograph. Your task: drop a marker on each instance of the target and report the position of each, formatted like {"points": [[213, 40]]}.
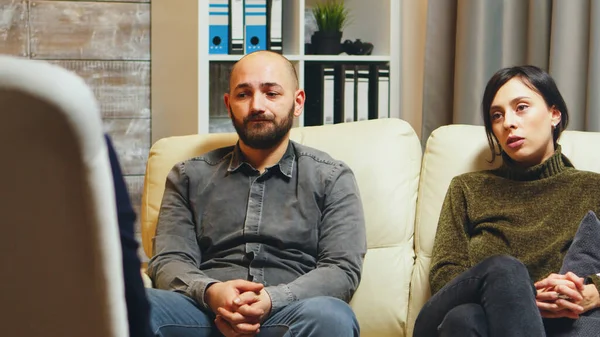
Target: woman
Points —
{"points": [[501, 230]]}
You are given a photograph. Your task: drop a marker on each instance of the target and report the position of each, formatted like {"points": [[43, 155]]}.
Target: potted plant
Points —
{"points": [[331, 17]]}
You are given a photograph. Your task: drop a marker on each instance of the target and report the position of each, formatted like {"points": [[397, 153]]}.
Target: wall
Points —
{"points": [[108, 44]]}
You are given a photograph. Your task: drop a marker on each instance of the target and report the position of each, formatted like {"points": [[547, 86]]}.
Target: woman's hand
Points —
{"points": [[591, 298], [563, 296]]}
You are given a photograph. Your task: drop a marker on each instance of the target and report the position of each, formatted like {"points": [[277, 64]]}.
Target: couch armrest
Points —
{"points": [[146, 279]]}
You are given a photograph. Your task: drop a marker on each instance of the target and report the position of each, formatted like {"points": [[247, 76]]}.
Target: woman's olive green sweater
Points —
{"points": [[531, 214]]}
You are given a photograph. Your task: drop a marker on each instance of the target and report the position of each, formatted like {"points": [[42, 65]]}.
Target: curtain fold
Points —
{"points": [[593, 84], [438, 74], [466, 41], [569, 55]]}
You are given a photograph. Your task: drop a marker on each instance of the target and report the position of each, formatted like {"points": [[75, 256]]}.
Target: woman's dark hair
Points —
{"points": [[537, 80]]}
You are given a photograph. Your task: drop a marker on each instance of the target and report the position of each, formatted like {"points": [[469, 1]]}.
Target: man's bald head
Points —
{"points": [[263, 57]]}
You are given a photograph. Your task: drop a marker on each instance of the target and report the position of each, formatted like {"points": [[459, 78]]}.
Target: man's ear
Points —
{"points": [[299, 99], [227, 104]]}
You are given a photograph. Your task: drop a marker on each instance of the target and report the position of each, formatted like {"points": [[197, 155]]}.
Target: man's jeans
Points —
{"points": [[494, 298], [173, 314]]}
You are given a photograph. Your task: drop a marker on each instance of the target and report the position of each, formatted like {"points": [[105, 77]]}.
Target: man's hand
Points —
{"points": [[249, 308], [228, 295], [560, 296], [240, 306], [222, 294]]}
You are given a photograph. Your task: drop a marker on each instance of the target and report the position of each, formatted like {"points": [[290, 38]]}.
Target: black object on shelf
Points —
{"points": [[329, 90], [326, 43], [313, 86], [357, 47]]}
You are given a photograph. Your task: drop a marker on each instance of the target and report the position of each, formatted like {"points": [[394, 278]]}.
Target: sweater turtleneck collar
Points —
{"points": [[554, 165]]}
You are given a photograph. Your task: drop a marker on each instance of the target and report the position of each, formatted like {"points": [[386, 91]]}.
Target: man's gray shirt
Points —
{"points": [[298, 228]]}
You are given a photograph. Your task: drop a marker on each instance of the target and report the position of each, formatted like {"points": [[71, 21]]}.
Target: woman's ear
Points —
{"points": [[556, 116]]}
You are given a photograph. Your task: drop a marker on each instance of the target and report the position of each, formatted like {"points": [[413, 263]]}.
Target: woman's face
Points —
{"points": [[523, 123]]}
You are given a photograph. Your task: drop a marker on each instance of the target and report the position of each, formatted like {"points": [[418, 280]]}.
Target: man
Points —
{"points": [[266, 237]]}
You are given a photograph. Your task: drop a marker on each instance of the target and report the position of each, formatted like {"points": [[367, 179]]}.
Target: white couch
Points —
{"points": [[402, 192]]}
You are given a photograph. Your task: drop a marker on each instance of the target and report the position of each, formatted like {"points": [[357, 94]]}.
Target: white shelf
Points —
{"points": [[317, 58], [234, 58], [347, 58], [181, 82]]}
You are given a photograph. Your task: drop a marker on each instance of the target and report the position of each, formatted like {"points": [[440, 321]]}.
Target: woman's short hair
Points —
{"points": [[537, 80]]}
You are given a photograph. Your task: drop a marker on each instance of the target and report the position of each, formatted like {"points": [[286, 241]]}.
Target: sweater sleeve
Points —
{"points": [[450, 248]]}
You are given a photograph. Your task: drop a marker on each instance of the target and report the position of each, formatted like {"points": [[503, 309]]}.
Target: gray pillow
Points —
{"points": [[583, 256]]}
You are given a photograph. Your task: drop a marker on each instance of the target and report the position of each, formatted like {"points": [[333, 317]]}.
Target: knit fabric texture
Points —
{"points": [[531, 214]]}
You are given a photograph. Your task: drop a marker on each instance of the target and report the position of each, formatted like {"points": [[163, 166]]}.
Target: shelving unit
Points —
{"points": [[181, 81]]}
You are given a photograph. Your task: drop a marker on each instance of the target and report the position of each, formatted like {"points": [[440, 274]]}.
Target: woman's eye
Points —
{"points": [[521, 107], [496, 115]]}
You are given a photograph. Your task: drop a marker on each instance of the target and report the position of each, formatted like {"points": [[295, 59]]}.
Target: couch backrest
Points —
{"points": [[385, 156], [455, 149]]}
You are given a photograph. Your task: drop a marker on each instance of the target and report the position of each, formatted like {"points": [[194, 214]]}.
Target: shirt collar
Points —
{"points": [[285, 165]]}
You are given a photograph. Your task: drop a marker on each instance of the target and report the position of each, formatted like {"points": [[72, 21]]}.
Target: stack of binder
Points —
{"points": [[245, 26], [340, 93]]}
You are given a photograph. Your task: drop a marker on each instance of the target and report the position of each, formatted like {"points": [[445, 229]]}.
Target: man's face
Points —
{"points": [[262, 101], [263, 130]]}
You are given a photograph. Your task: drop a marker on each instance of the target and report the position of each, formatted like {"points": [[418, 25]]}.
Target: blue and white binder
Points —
{"points": [[218, 29], [328, 95], [362, 94], [275, 26], [349, 94], [236, 23], [255, 18], [384, 93]]}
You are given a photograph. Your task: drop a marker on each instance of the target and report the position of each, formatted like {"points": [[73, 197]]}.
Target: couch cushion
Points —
{"points": [[455, 149], [385, 156]]}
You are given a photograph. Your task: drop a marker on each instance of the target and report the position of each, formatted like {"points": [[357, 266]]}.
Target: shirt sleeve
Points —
{"points": [[450, 249], [342, 246], [175, 264]]}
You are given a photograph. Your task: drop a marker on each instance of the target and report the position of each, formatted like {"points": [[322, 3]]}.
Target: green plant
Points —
{"points": [[331, 15]]}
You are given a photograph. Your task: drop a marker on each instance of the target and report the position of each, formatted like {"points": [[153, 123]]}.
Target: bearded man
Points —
{"points": [[264, 238]]}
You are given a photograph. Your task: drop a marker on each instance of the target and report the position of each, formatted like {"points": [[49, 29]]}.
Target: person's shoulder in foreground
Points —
{"points": [[138, 308]]}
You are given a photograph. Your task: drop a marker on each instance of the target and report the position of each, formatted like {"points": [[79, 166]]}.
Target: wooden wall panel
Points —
{"points": [[89, 30], [131, 138], [135, 185], [122, 88], [105, 42], [13, 28]]}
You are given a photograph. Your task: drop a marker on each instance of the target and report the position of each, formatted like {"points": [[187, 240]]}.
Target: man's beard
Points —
{"points": [[265, 134]]}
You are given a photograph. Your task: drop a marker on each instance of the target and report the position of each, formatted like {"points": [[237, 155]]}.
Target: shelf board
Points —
{"points": [[347, 58], [234, 58], [325, 58]]}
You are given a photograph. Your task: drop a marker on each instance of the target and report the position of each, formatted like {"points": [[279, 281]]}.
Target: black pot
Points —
{"points": [[326, 43]]}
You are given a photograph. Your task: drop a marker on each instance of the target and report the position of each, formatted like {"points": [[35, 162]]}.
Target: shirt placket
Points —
{"points": [[251, 227]]}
